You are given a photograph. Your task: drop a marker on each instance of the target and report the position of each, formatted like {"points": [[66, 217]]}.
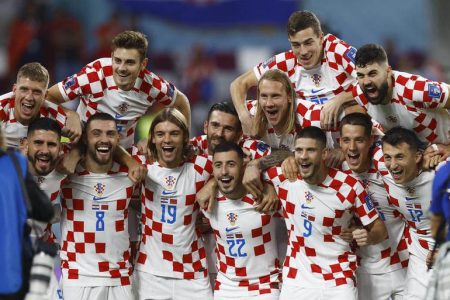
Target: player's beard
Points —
{"points": [[42, 168], [382, 93], [97, 157], [213, 141]]}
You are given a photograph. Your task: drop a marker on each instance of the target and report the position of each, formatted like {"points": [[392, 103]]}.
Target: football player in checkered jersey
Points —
{"points": [[409, 190], [318, 205], [320, 67], [396, 98], [95, 247], [26, 102], [171, 261], [247, 250], [121, 86], [381, 273], [42, 148]]}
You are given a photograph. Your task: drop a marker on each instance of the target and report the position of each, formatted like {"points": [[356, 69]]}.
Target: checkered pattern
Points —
{"points": [[315, 216], [335, 74], [391, 254], [95, 87], [51, 185], [200, 144], [170, 245], [248, 260], [285, 142], [14, 131], [95, 248], [413, 107], [412, 202]]}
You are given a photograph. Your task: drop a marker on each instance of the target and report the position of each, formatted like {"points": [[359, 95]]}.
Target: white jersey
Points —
{"points": [[317, 257], [170, 244], [417, 104], [335, 74], [15, 132], [51, 185], [98, 92], [95, 247], [247, 254], [412, 201], [392, 253]]}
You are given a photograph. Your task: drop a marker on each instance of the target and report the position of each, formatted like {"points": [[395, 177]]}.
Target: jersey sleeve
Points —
{"points": [[255, 148], [378, 161], [4, 110], [158, 89], [284, 62], [55, 112], [274, 176], [364, 207], [203, 167], [422, 93]]}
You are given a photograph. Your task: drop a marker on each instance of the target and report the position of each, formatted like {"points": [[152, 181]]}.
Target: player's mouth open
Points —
{"points": [[397, 174], [226, 180], [43, 161], [168, 149], [371, 90], [27, 108], [305, 166], [103, 149], [353, 158]]}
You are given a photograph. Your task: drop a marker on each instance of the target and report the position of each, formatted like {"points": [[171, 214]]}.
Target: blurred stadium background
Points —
{"points": [[202, 45]]}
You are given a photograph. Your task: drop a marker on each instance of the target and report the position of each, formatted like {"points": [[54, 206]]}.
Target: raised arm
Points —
{"points": [[54, 95], [182, 104]]}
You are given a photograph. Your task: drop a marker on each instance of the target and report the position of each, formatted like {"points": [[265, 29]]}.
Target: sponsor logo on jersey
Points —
{"points": [[117, 116], [95, 198], [304, 206], [167, 193], [434, 90], [169, 182], [316, 91], [316, 78], [232, 218], [369, 202], [309, 197], [350, 54], [69, 82], [230, 229]]}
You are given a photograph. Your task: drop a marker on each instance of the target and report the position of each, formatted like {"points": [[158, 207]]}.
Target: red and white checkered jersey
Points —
{"points": [[170, 245], [253, 148], [98, 92], [285, 142], [335, 74], [412, 200], [51, 185], [417, 104], [315, 215], [14, 131], [246, 247], [95, 247], [391, 254]]}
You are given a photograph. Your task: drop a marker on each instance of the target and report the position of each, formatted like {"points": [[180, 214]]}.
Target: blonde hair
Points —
{"points": [[260, 119]]}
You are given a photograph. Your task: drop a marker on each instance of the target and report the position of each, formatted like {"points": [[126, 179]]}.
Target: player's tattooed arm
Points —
{"points": [[274, 159]]}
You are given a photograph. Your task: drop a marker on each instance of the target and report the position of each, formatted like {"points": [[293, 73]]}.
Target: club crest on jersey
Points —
{"points": [[123, 108], [170, 182], [309, 197], [40, 180], [316, 78], [392, 119], [411, 191], [232, 217], [434, 90], [22, 141], [99, 188]]}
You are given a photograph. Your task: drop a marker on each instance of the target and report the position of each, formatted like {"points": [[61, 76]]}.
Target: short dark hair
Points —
{"points": [[397, 135], [369, 54], [44, 124], [34, 71], [226, 146], [359, 119], [131, 40], [100, 116], [313, 132], [226, 107], [301, 20]]}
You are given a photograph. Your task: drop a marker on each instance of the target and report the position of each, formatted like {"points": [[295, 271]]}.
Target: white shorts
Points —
{"points": [[271, 296], [417, 278], [342, 292], [54, 291], [151, 287], [98, 293], [381, 286]]}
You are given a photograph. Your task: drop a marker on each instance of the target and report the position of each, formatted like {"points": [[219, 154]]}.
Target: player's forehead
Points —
{"points": [[352, 131], [306, 142], [126, 54], [399, 149], [167, 126], [27, 82], [223, 118], [369, 68], [271, 86], [226, 156], [44, 135], [303, 35], [102, 125]]}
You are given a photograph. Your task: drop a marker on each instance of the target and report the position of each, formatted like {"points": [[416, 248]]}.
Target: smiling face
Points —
{"points": [[169, 142], [274, 101], [42, 150], [310, 156], [221, 126], [29, 96], [401, 161], [307, 47], [102, 140], [127, 65], [356, 146], [228, 171], [373, 80]]}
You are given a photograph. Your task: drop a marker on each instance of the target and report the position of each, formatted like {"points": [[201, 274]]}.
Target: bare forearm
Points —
{"points": [[274, 159]]}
